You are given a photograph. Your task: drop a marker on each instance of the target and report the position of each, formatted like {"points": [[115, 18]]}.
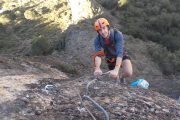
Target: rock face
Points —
{"points": [[27, 97]]}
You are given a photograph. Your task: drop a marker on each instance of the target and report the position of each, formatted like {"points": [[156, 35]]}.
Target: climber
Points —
{"points": [[112, 43]]}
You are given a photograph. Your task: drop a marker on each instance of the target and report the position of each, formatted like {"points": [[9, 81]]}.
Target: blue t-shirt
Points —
{"points": [[115, 48]]}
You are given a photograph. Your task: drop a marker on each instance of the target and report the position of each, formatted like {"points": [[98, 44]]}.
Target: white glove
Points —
{"points": [[97, 72]]}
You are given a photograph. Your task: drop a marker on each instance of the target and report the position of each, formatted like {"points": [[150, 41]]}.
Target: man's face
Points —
{"points": [[104, 32]]}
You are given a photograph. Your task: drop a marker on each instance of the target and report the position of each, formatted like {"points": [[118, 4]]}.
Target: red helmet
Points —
{"points": [[100, 23]]}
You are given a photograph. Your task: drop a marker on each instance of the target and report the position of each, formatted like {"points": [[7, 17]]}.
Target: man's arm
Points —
{"points": [[97, 71], [97, 62], [118, 63], [97, 59]]}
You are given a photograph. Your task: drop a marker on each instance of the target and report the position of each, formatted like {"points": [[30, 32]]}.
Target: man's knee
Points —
{"points": [[128, 73]]}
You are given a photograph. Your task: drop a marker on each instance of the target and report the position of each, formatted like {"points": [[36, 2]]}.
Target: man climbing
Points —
{"points": [[116, 56]]}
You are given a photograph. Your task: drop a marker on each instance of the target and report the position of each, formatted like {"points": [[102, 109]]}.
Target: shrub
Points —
{"points": [[109, 4], [45, 10], [6, 44], [157, 21], [166, 60], [66, 68], [177, 62], [61, 43], [4, 19], [30, 14], [41, 46]]}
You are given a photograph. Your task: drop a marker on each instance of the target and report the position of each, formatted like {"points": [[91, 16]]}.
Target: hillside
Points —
{"points": [[24, 95], [51, 43], [151, 20], [46, 33]]}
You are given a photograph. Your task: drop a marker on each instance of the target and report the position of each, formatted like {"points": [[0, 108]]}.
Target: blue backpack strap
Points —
{"points": [[99, 40], [114, 33]]}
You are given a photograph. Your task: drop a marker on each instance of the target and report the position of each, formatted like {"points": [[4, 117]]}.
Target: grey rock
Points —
{"points": [[152, 109], [165, 110], [38, 112]]}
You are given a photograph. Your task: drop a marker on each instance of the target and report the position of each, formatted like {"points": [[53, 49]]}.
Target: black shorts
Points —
{"points": [[111, 65]]}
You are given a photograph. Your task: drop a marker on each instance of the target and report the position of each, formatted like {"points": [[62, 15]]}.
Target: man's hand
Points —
{"points": [[97, 72], [114, 73]]}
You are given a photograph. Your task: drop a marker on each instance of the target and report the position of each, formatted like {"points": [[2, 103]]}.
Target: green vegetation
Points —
{"points": [[167, 61], [157, 21], [152, 20], [4, 19], [41, 46], [31, 14], [22, 22], [66, 68], [112, 4], [61, 43], [6, 44]]}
